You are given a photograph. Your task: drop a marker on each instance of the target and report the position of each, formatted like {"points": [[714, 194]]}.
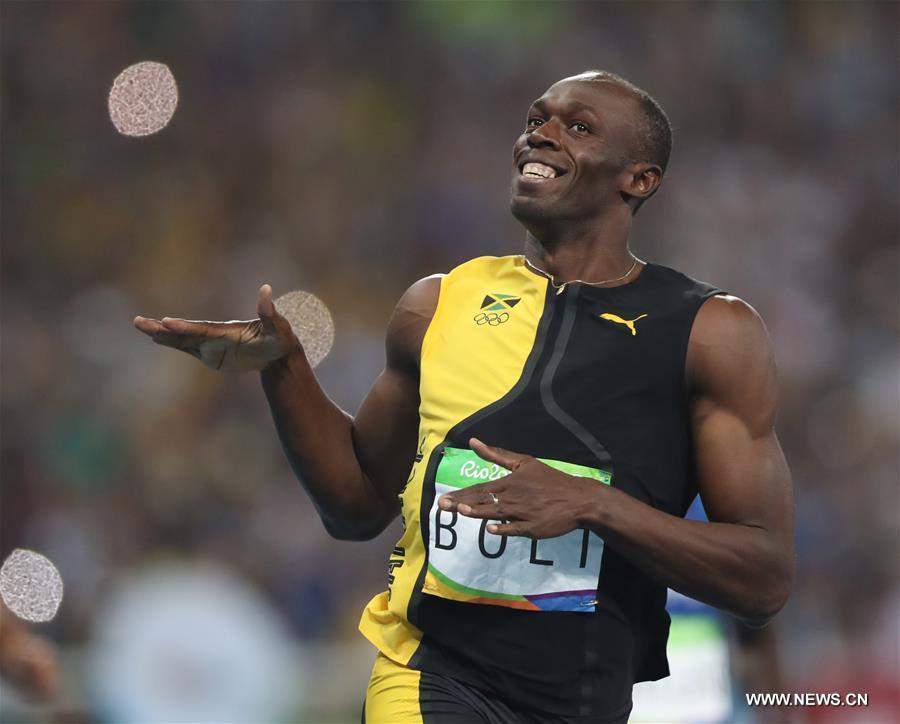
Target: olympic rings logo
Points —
{"points": [[490, 318]]}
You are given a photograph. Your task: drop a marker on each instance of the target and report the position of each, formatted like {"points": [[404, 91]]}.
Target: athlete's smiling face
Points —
{"points": [[576, 154]]}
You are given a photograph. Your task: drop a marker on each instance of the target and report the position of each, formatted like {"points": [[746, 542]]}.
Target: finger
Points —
{"points": [[189, 327], [147, 325], [518, 528], [482, 503], [272, 319], [265, 307], [490, 511], [178, 333], [505, 458], [473, 495], [179, 327], [203, 330], [447, 502]]}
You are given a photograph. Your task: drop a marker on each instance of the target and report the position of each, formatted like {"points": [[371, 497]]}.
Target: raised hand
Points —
{"points": [[537, 501], [236, 345]]}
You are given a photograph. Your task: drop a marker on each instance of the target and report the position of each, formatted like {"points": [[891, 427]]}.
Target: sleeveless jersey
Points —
{"points": [[591, 381]]}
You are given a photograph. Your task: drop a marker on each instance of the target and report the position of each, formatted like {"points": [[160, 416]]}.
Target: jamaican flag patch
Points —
{"points": [[496, 302]]}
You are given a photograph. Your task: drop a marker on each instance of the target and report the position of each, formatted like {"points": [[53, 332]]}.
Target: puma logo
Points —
{"points": [[627, 322]]}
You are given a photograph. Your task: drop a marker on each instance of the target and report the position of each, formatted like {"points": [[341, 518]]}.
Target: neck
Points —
{"points": [[594, 255]]}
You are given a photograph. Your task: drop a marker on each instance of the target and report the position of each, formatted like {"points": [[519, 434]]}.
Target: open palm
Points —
{"points": [[238, 346]]}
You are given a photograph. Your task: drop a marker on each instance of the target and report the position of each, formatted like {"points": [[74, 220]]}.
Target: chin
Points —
{"points": [[529, 210]]}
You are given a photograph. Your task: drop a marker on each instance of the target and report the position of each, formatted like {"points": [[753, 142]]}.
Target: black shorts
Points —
{"points": [[400, 695]]}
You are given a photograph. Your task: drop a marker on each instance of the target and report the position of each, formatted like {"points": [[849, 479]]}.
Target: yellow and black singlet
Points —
{"points": [[591, 381]]}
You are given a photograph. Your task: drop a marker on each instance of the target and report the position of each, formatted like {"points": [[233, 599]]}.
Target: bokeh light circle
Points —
{"points": [[143, 99], [30, 585], [311, 322]]}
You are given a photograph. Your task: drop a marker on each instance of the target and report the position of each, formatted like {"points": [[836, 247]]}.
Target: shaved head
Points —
{"points": [[654, 135]]}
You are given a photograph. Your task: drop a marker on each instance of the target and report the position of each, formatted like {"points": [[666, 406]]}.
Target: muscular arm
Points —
{"points": [[353, 467], [743, 559]]}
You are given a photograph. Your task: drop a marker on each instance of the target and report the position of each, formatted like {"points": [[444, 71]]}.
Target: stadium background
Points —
{"points": [[348, 149]]}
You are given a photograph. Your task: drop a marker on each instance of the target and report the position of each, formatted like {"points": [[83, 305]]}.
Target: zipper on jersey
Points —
{"points": [[569, 305], [560, 342]]}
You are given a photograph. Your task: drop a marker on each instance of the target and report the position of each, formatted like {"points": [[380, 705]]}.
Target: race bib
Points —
{"points": [[466, 563]]}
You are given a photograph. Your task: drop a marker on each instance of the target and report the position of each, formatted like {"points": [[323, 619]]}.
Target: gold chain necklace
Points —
{"points": [[560, 287]]}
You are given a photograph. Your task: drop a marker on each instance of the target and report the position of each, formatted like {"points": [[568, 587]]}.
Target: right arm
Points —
{"points": [[352, 467]]}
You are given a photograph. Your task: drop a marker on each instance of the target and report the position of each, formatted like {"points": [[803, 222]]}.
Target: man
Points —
{"points": [[542, 424]]}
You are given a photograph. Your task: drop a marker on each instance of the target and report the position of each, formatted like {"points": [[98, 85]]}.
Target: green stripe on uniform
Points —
{"points": [[461, 468]]}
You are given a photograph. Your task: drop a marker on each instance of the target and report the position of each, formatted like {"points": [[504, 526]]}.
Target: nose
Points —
{"points": [[546, 135]]}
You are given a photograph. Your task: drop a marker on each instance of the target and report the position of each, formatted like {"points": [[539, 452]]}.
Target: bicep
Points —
{"points": [[742, 474]]}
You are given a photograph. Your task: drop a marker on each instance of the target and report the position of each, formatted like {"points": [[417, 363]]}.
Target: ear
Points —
{"points": [[640, 181]]}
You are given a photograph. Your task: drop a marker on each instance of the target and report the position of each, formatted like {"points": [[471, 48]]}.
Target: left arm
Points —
{"points": [[743, 559]]}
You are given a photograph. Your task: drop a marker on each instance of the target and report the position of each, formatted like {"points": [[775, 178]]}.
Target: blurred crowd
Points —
{"points": [[348, 149]]}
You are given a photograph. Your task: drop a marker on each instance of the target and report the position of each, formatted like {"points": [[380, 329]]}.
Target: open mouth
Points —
{"points": [[533, 170]]}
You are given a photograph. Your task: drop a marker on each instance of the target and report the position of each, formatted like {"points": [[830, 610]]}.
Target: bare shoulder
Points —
{"points": [[728, 321], [730, 359], [409, 322], [421, 297]]}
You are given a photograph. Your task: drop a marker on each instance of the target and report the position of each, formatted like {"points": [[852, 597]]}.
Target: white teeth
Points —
{"points": [[539, 170]]}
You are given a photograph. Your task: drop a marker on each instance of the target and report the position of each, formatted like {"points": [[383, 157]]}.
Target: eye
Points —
{"points": [[534, 123], [580, 128]]}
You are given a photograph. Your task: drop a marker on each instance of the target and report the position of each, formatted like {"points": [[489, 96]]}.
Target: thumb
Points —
{"points": [[265, 307], [272, 320], [268, 313], [505, 458]]}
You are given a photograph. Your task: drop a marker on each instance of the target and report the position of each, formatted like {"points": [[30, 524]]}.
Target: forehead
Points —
{"points": [[610, 102]]}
